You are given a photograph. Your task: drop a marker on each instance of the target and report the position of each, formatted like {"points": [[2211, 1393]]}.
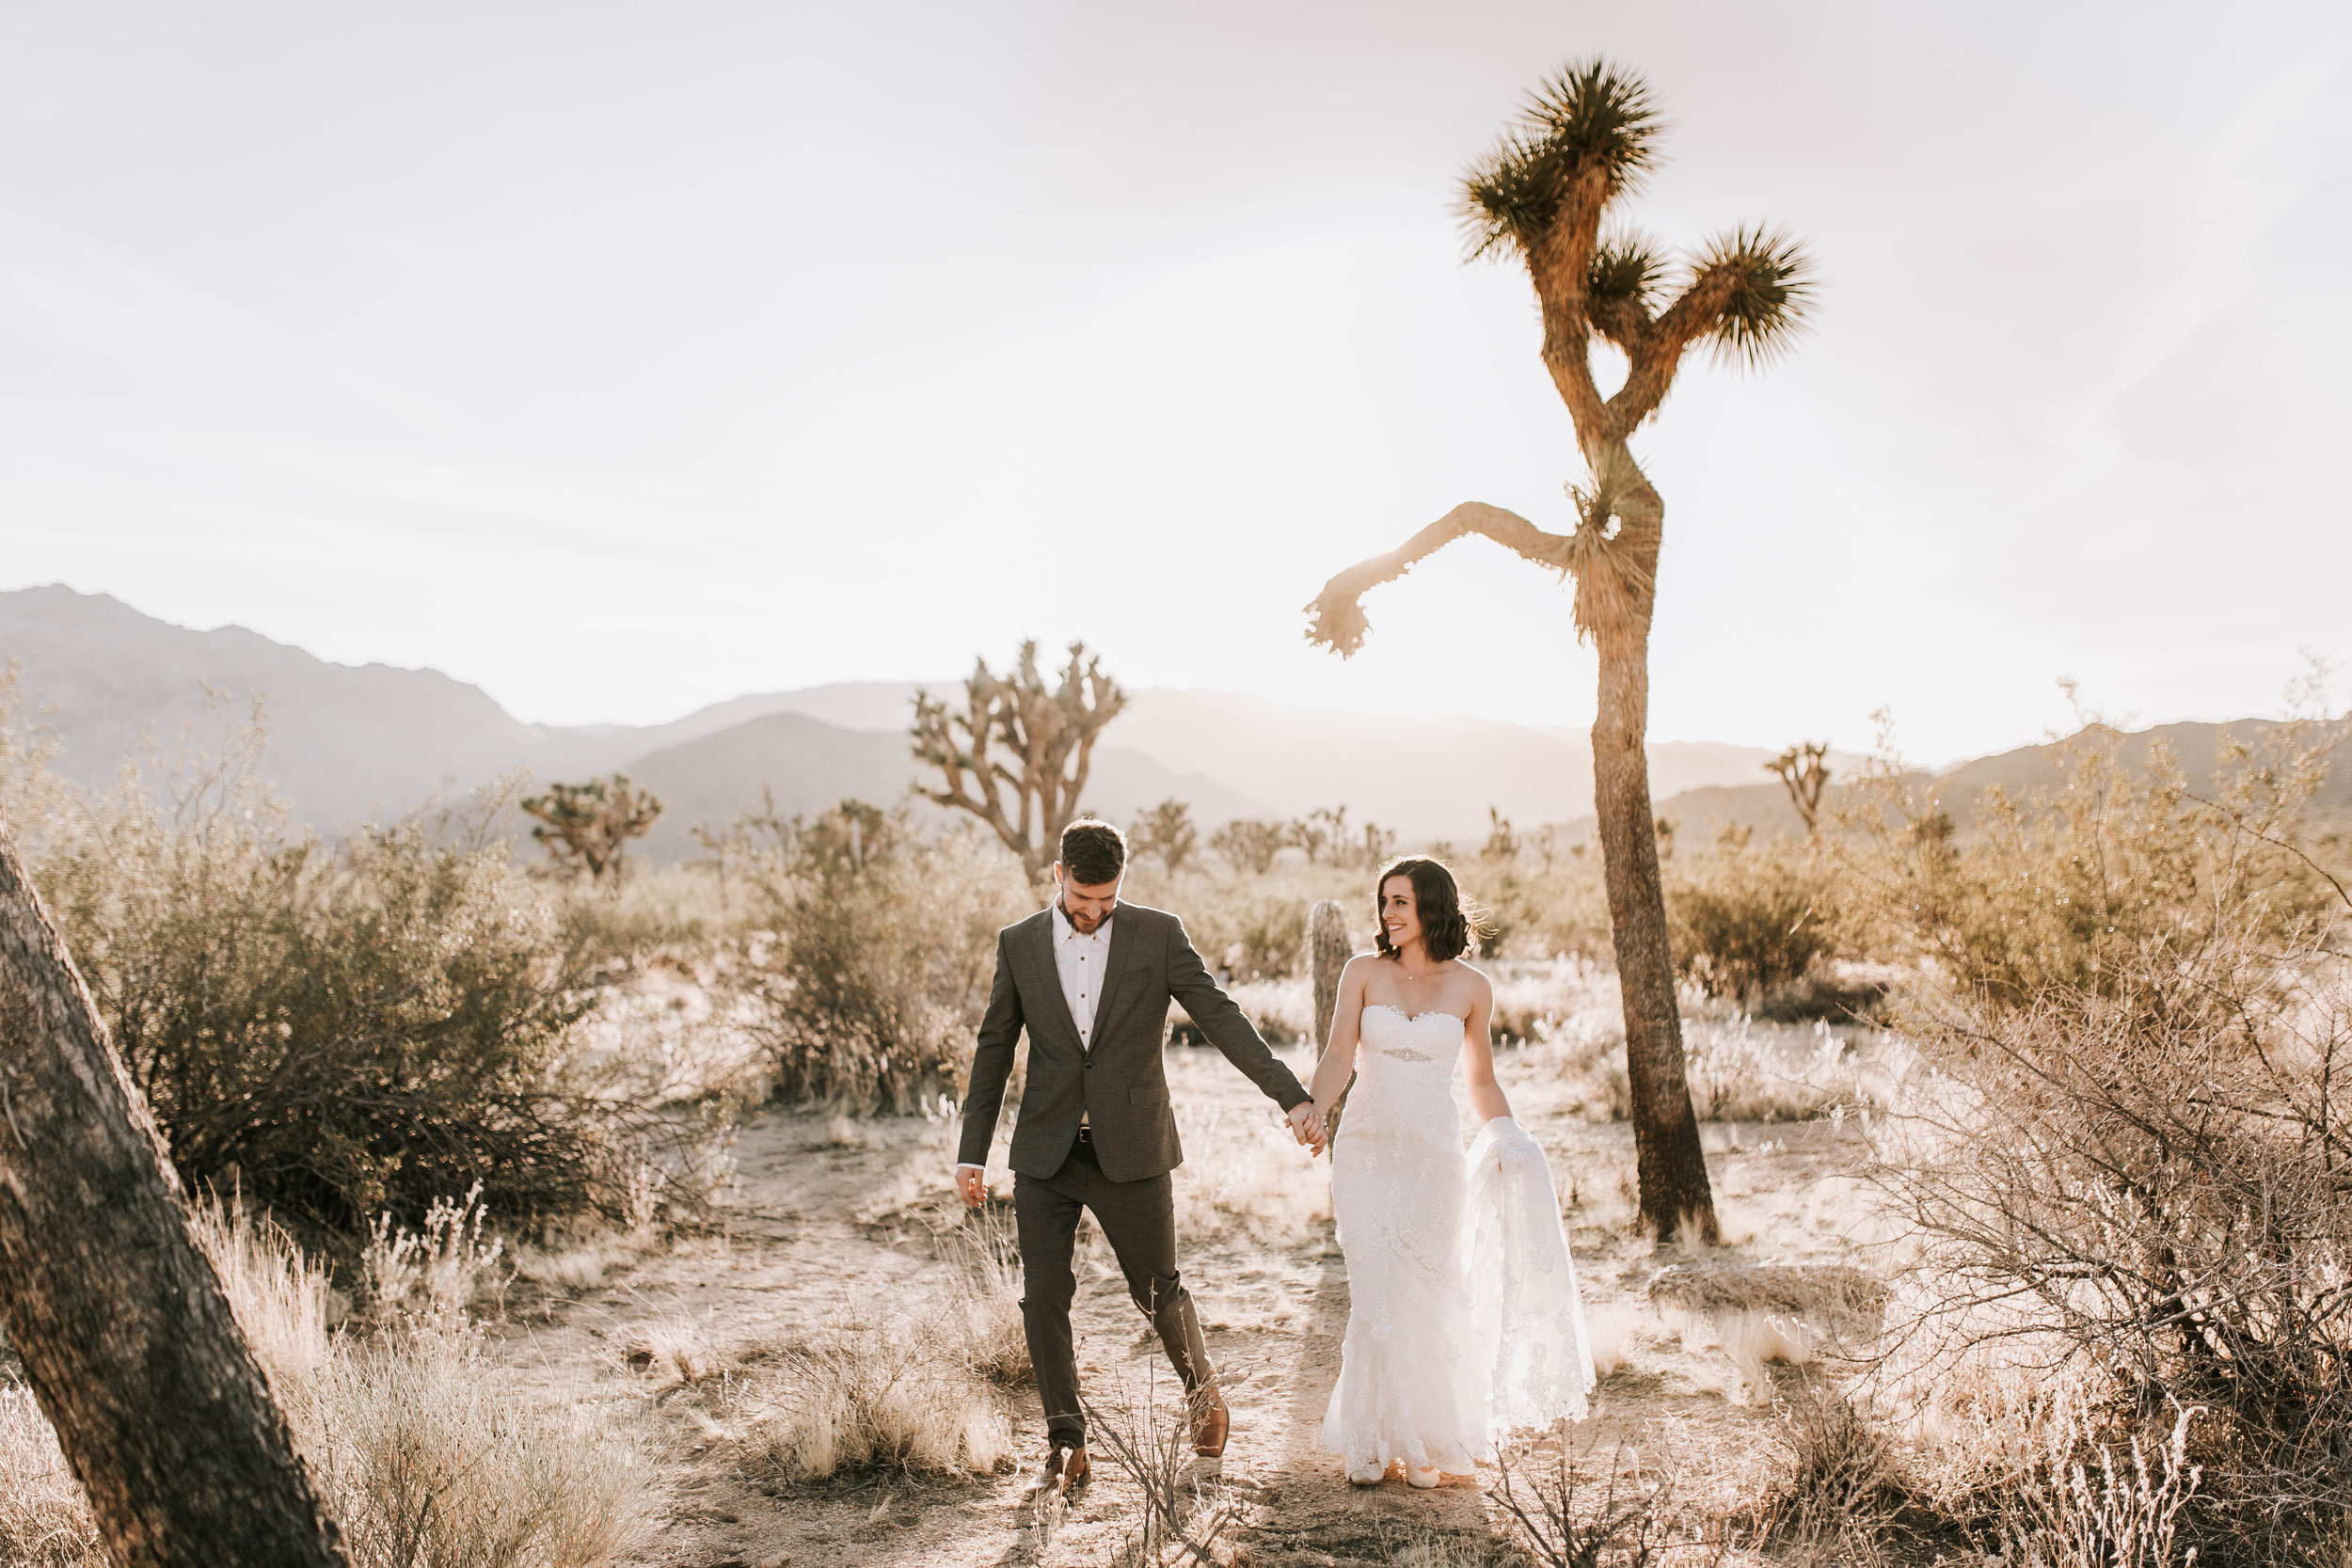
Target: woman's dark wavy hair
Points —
{"points": [[1450, 925]]}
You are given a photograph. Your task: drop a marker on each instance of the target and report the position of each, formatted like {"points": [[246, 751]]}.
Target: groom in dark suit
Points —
{"points": [[1089, 980]]}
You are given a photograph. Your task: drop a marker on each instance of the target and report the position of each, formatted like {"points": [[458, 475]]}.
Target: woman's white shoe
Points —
{"points": [[1423, 1478], [1368, 1475]]}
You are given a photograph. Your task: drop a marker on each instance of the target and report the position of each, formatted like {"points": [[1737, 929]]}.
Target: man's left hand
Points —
{"points": [[1302, 1120]]}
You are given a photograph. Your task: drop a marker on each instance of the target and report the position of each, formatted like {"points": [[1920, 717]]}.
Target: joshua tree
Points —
{"points": [[1328, 825], [587, 827], [1018, 734], [1804, 771], [1502, 845], [1585, 140], [1167, 830], [1249, 845]]}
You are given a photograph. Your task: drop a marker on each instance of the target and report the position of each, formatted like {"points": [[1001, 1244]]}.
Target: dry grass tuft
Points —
{"points": [[1832, 1296], [674, 1351], [423, 1457], [283, 1302], [1426, 1546], [848, 1401], [981, 1319], [426, 1461], [1755, 1339], [1610, 1330], [581, 1262], [44, 1521]]}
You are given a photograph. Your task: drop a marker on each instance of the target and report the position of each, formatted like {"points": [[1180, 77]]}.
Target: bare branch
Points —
{"points": [[1336, 617]]}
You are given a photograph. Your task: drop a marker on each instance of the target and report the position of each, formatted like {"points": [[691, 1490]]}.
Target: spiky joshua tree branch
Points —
{"points": [[1018, 752], [1585, 139]]}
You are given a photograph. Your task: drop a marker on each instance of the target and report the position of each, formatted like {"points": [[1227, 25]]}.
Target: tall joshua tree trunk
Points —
{"points": [[1586, 137], [126, 1337], [1670, 1167]]}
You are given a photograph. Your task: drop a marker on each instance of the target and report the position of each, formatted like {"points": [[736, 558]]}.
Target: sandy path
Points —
{"points": [[823, 1232]]}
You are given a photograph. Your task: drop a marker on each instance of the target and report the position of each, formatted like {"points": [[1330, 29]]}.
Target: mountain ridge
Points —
{"points": [[360, 742]]}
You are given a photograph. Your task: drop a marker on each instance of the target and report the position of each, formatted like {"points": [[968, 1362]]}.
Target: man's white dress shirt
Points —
{"points": [[1080, 959]]}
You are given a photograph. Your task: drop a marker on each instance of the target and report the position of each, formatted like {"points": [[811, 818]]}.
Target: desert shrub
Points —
{"points": [[2077, 889], [1576, 1508], [1284, 1011], [2128, 1154], [1559, 910], [434, 1273], [1144, 1437], [1269, 943], [1841, 1483], [1253, 929], [885, 948], [2026, 1464], [335, 1028], [1748, 921], [675, 914]]}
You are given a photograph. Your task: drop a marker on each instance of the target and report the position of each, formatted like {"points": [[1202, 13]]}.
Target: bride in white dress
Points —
{"points": [[1464, 1320]]}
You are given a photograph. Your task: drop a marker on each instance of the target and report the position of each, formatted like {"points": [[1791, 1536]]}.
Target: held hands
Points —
{"points": [[1307, 1126]]}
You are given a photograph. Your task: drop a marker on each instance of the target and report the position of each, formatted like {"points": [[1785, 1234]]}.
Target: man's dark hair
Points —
{"points": [[1449, 923], [1092, 853]]}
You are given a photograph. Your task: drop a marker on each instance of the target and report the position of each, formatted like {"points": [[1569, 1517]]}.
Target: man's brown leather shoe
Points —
{"points": [[1066, 1468], [1210, 1423]]}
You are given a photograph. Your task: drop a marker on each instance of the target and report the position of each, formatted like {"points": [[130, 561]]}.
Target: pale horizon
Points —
{"points": [[619, 366]]}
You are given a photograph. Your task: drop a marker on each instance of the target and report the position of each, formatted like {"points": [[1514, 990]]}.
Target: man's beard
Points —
{"points": [[1084, 924]]}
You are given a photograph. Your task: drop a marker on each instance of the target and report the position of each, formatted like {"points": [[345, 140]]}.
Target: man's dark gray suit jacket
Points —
{"points": [[1120, 1087]]}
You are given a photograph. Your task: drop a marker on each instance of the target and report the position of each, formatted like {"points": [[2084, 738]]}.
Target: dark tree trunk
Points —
{"points": [[127, 1339], [1669, 1163]]}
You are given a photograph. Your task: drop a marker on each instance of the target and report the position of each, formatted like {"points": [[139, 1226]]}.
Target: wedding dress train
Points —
{"points": [[1464, 1317]]}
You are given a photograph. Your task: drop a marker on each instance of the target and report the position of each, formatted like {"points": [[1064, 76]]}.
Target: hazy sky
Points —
{"points": [[625, 358]]}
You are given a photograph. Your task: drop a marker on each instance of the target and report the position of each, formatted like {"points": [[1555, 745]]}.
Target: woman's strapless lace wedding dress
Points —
{"points": [[1464, 1316]]}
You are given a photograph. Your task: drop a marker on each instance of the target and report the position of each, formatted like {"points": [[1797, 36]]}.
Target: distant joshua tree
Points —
{"points": [[1168, 831], [1585, 139], [1804, 770], [1322, 833], [1017, 733], [587, 827], [1249, 845], [1502, 845]]}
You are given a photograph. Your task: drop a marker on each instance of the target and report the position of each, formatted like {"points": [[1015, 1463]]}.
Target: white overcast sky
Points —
{"points": [[621, 358]]}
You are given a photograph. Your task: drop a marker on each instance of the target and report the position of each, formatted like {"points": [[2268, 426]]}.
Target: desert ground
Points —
{"points": [[837, 1225]]}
